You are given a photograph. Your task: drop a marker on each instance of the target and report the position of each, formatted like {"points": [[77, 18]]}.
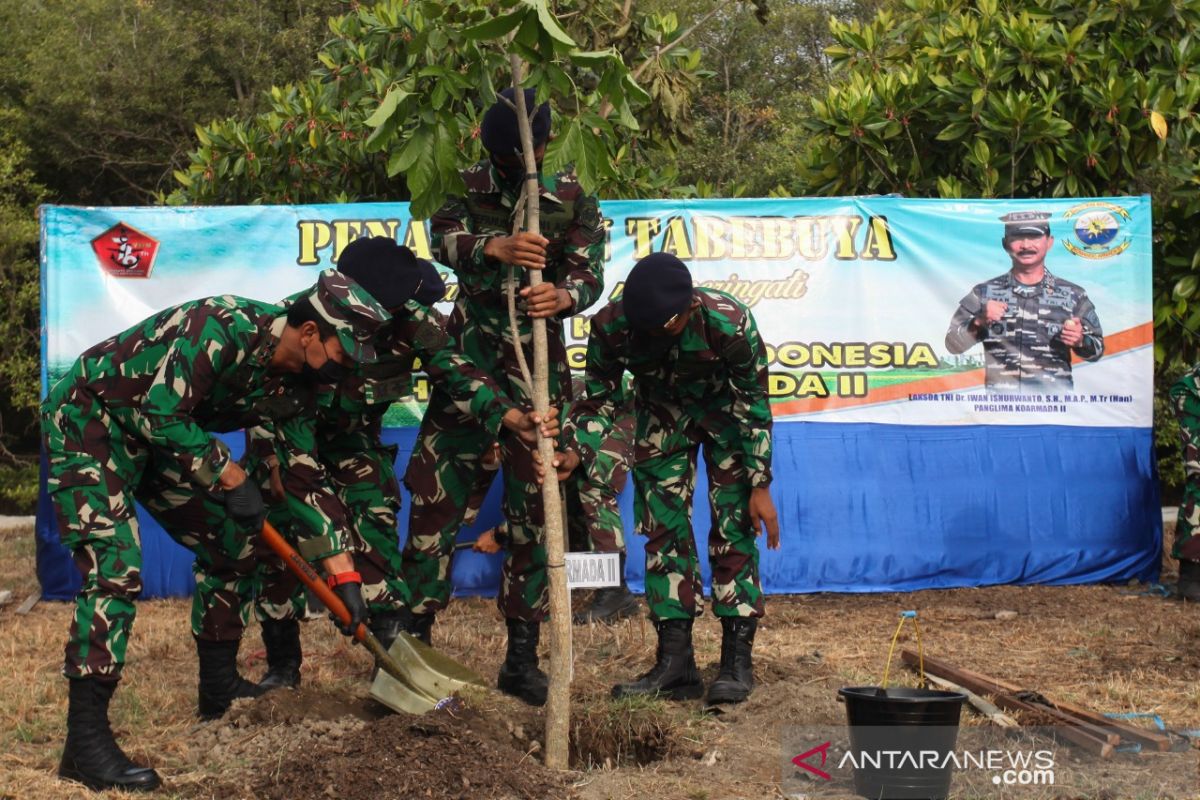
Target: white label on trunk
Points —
{"points": [[593, 570]]}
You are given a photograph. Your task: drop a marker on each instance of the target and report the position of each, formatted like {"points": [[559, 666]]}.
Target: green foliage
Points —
{"points": [[18, 487], [109, 90], [1026, 98], [1167, 441], [392, 109], [749, 114], [19, 325]]}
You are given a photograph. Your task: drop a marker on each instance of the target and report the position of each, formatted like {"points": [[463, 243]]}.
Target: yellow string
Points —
{"points": [[892, 650]]}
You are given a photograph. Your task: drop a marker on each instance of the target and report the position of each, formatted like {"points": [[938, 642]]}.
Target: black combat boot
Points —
{"points": [[421, 626], [519, 674], [736, 677], [674, 674], [610, 603], [387, 625], [1189, 579], [220, 683], [91, 755], [282, 640]]}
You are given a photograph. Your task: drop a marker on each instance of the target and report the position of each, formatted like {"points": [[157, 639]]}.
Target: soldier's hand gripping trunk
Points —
{"points": [[348, 587], [245, 505]]}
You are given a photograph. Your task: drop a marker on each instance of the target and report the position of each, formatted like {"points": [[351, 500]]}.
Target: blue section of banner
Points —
{"points": [[865, 508]]}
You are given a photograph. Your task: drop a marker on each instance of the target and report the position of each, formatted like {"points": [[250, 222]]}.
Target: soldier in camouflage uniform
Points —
{"points": [[1185, 394], [1030, 321], [131, 421], [699, 378], [347, 453], [593, 514], [472, 235]]}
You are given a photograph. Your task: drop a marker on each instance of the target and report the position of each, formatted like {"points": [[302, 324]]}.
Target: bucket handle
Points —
{"points": [[906, 615]]}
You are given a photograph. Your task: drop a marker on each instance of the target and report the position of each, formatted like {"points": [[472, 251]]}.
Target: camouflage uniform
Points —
{"points": [[130, 421], [593, 515], [446, 458], [359, 469], [1185, 394], [710, 389], [1022, 350]]}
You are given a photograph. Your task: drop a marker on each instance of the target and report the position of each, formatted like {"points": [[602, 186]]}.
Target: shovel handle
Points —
{"points": [[304, 571]]}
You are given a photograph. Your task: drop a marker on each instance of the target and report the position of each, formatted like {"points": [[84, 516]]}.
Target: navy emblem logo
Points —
{"points": [[1097, 230]]}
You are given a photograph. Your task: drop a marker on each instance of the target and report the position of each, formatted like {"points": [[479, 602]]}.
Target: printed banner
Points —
{"points": [[873, 309]]}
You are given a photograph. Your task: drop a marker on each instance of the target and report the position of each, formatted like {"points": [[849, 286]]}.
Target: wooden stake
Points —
{"points": [[29, 602], [984, 707], [558, 701]]}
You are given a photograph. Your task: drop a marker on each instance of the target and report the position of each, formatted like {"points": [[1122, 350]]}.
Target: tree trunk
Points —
{"points": [[558, 702]]}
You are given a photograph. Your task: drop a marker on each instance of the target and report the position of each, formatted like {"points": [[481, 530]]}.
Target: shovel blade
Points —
{"points": [[398, 697], [430, 671], [430, 676]]}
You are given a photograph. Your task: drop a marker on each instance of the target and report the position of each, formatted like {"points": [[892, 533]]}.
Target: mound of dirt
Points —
{"points": [[289, 706], [443, 754]]}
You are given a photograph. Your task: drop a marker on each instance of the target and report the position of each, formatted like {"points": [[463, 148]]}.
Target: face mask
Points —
{"points": [[506, 173], [656, 347], [327, 374]]}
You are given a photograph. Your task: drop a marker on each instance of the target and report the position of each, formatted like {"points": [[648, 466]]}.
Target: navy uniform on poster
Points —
{"points": [[1029, 321]]}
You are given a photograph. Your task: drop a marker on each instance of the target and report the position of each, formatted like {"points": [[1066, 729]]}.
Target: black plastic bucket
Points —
{"points": [[909, 720]]}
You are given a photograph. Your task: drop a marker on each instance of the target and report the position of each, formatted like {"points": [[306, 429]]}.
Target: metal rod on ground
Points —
{"points": [[558, 701]]}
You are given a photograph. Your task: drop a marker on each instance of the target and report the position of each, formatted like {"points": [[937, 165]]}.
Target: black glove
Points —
{"points": [[350, 594], [244, 503]]}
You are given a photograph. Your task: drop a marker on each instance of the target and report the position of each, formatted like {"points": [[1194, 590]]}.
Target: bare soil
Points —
{"points": [[1110, 648]]}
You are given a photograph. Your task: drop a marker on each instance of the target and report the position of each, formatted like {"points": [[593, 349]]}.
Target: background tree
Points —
{"points": [[391, 111], [747, 119], [1026, 98], [19, 324], [110, 90]]}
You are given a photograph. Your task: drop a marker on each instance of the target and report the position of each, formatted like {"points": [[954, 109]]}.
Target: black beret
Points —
{"points": [[432, 288], [388, 271], [499, 132], [658, 287]]}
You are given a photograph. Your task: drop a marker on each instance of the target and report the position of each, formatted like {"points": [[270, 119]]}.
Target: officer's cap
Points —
{"points": [[350, 310], [390, 272], [499, 132], [1026, 222], [658, 287]]}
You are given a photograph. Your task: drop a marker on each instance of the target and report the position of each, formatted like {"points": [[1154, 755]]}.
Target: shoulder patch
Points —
{"points": [[430, 337]]}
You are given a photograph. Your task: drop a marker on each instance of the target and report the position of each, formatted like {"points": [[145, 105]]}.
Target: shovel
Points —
{"points": [[413, 677]]}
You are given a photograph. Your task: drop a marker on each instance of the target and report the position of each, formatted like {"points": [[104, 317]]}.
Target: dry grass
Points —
{"points": [[1108, 648]]}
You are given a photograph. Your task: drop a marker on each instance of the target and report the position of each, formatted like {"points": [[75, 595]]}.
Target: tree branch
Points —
{"points": [[606, 107]]}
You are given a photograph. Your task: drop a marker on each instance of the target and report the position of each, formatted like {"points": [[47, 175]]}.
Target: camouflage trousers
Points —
{"points": [[664, 481], [593, 516], [365, 481], [1186, 398], [442, 477], [97, 471]]}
